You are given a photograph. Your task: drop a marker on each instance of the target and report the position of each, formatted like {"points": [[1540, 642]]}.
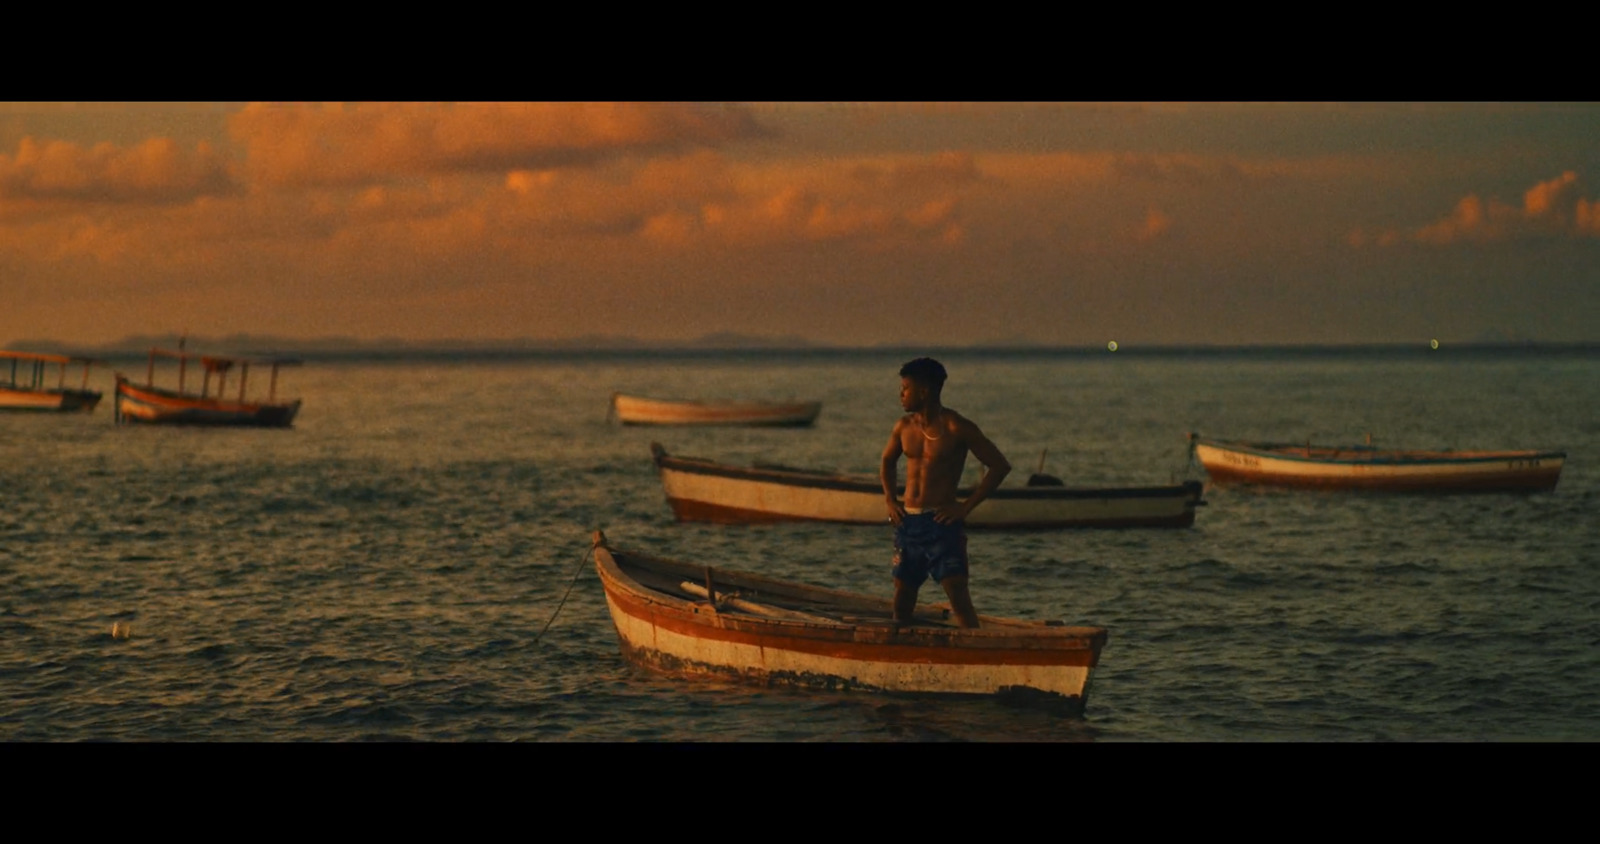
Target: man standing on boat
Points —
{"points": [[930, 538]]}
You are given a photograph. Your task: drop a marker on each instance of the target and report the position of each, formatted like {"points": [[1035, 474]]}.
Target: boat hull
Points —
{"points": [[22, 387], [684, 638], [48, 401], [632, 410], [704, 491], [1366, 468], [147, 405]]}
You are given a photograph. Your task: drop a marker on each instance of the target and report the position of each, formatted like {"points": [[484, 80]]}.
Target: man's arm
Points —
{"points": [[888, 470], [995, 469]]}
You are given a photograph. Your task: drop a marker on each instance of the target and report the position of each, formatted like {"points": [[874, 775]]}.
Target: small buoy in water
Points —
{"points": [[1433, 344], [1111, 346], [119, 630]]}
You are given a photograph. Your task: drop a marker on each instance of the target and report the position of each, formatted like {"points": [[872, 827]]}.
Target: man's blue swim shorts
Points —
{"points": [[925, 548]]}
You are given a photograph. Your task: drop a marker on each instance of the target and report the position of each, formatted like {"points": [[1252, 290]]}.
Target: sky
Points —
{"points": [[855, 224]]}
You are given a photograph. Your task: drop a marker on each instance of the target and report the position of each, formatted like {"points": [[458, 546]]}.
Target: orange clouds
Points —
{"points": [[1549, 209], [1587, 217], [941, 170], [705, 200], [351, 145], [806, 213], [1178, 169], [1155, 224], [377, 192], [154, 171]]}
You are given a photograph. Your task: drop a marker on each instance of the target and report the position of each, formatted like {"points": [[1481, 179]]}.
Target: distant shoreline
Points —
{"points": [[379, 352]]}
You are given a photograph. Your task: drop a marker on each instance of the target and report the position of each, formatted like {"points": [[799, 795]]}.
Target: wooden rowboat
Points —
{"points": [[635, 410], [24, 385], [705, 491], [150, 404], [1364, 467], [691, 620]]}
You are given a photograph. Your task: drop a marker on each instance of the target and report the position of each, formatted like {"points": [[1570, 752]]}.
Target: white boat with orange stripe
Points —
{"points": [[637, 410], [693, 620], [700, 490], [1365, 467], [25, 383], [151, 404]]}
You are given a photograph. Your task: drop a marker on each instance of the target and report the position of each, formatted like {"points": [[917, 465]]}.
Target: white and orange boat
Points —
{"points": [[700, 490], [24, 383], [1365, 467], [150, 404], [692, 620], [637, 410]]}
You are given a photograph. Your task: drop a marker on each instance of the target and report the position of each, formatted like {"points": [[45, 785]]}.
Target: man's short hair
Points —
{"points": [[925, 371]]}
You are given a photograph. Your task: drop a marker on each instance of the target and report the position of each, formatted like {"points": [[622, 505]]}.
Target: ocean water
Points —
{"points": [[409, 562]]}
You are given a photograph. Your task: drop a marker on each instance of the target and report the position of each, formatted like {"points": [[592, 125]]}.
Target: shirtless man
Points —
{"points": [[930, 539]]}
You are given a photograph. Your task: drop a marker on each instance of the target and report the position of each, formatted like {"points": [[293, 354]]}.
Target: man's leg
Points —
{"points": [[955, 586], [905, 600]]}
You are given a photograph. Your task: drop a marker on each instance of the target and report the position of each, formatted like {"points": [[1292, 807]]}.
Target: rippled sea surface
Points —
{"points": [[409, 561]]}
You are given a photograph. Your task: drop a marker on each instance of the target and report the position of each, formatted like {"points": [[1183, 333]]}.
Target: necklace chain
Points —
{"points": [[923, 427]]}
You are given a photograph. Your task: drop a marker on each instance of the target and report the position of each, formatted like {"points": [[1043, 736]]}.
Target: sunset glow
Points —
{"points": [[954, 224]]}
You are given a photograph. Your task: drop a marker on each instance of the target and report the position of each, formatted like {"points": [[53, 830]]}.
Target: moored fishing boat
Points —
{"points": [[701, 490], [150, 404], [24, 383], [1366, 467], [637, 410], [693, 620]]}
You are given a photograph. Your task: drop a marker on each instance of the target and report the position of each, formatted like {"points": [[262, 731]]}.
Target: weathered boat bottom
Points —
{"points": [[1535, 481], [52, 401], [277, 419], [674, 666]]}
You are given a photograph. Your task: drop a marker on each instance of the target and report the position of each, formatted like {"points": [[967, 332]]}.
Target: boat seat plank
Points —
{"points": [[734, 601]]}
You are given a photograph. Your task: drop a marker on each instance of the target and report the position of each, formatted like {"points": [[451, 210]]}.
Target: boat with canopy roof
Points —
{"points": [[150, 404], [25, 383]]}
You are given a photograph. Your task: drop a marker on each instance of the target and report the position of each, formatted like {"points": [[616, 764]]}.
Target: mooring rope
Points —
{"points": [[581, 561], [1192, 469]]}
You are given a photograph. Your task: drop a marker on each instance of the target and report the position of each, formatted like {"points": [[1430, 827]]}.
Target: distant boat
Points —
{"points": [[701, 490], [691, 620], [28, 387], [636, 410], [150, 404], [1365, 467]]}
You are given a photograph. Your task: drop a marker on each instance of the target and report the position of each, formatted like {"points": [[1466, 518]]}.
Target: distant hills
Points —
{"points": [[266, 344], [389, 348]]}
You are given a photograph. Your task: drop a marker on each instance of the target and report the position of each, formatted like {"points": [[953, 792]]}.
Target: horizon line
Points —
{"points": [[346, 347]]}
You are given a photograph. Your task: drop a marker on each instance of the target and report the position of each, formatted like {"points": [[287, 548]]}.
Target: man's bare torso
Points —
{"points": [[935, 457]]}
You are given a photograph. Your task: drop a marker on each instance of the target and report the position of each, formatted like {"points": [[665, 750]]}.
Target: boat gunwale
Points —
{"points": [[1375, 455], [735, 404], [645, 411]]}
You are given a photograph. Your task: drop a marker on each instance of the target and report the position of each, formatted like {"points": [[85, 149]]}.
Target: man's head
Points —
{"points": [[920, 380]]}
